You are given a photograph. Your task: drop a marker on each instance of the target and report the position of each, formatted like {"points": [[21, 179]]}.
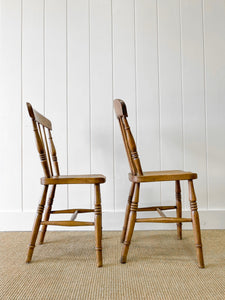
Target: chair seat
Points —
{"points": [[74, 179], [170, 175]]}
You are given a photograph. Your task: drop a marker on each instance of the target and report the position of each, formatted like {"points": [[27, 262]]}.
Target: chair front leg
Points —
{"points": [[131, 223], [196, 224], [47, 214], [98, 225], [37, 223], [178, 209], [127, 213]]}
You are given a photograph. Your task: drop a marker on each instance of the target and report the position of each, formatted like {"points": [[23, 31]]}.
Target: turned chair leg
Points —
{"points": [[37, 223], [131, 223], [98, 225], [196, 224], [178, 209], [127, 213], [47, 214]]}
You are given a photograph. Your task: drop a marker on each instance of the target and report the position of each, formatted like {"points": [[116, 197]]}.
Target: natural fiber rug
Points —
{"points": [[158, 267]]}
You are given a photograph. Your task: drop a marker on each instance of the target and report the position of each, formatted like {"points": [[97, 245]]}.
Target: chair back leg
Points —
{"points": [[131, 223], [127, 213], [178, 209], [37, 223], [47, 213], [98, 225], [196, 224]]}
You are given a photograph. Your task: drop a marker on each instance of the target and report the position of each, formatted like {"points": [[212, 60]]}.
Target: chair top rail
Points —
{"points": [[35, 115], [120, 108]]}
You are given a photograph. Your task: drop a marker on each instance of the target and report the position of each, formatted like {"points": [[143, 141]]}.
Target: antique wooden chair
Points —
{"points": [[49, 158], [137, 176]]}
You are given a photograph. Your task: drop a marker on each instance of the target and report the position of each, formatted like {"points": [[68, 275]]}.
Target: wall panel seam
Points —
{"points": [[113, 116], [159, 97], [205, 102], [182, 82], [22, 115], [135, 70], [44, 65], [67, 121], [89, 84]]}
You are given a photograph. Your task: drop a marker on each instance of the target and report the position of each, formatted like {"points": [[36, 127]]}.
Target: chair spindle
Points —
{"points": [[53, 153], [41, 149], [48, 155]]}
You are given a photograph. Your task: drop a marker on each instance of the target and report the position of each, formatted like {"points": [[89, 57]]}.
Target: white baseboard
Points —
{"points": [[23, 221]]}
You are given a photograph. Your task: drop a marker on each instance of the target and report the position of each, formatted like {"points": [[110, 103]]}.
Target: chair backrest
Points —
{"points": [[129, 142], [40, 126]]}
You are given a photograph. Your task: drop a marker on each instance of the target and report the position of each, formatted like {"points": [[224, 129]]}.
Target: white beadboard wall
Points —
{"points": [[71, 58]]}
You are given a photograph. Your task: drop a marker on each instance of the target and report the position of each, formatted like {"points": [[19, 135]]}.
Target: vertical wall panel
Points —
{"points": [[193, 96], [55, 84], [214, 21], [10, 114], [101, 96], [170, 91], [78, 98], [148, 137], [33, 92], [123, 87]]}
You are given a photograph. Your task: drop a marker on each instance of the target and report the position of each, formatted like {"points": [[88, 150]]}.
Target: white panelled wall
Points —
{"points": [[71, 58]]}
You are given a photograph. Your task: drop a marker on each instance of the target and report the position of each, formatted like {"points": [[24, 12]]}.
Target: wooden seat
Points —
{"points": [[137, 176], [49, 162], [162, 176], [74, 179]]}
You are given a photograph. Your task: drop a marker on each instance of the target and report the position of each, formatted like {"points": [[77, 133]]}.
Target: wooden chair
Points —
{"points": [[137, 176], [49, 158]]}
